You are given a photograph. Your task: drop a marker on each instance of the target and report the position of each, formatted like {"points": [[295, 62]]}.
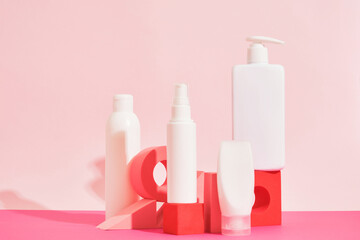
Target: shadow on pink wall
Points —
{"points": [[97, 186], [12, 200]]}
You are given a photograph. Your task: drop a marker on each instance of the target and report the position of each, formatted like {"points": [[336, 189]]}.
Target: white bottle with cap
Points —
{"points": [[181, 151], [258, 106], [122, 144]]}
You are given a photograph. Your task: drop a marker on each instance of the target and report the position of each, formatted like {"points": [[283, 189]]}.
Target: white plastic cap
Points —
{"points": [[123, 103], [236, 225], [257, 52], [181, 95], [180, 108]]}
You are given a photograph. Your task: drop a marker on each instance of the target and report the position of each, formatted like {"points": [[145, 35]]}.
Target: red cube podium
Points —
{"points": [[183, 218], [267, 207]]}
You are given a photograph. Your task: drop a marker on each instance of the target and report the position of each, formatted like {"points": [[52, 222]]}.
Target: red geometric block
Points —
{"points": [[200, 186], [183, 218], [142, 178], [160, 217], [267, 207], [141, 214], [212, 211], [141, 173]]}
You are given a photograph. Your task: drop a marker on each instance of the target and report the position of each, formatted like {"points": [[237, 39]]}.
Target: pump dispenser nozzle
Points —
{"points": [[257, 52]]}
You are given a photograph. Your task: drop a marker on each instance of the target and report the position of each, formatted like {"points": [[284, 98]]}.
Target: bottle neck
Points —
{"points": [[180, 113], [123, 103], [257, 53]]}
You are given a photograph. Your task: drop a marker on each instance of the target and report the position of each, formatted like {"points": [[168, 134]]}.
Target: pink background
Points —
{"points": [[61, 62]]}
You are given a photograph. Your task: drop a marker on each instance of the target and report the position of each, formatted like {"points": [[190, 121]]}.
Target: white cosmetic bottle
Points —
{"points": [[258, 106], [235, 180], [122, 144], [181, 151]]}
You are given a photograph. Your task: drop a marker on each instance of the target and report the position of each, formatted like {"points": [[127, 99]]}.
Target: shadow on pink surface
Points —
{"points": [[14, 201], [75, 217]]}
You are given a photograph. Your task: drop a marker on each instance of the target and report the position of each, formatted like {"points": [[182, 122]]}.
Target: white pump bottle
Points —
{"points": [[258, 106], [181, 151]]}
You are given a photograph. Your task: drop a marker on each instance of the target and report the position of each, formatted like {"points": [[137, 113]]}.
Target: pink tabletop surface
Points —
{"points": [[43, 224]]}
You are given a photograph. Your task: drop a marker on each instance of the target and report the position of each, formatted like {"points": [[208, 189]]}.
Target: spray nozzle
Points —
{"points": [[180, 107], [181, 96], [257, 52]]}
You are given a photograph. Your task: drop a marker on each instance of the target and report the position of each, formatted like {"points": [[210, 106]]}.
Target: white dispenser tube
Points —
{"points": [[122, 144], [235, 180], [181, 151]]}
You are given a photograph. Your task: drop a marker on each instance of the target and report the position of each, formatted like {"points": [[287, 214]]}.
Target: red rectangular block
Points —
{"points": [[211, 204], [141, 214], [200, 186], [267, 207], [183, 218]]}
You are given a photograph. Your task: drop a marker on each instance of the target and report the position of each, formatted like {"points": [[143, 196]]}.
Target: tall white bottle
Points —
{"points": [[258, 106], [122, 144], [181, 151]]}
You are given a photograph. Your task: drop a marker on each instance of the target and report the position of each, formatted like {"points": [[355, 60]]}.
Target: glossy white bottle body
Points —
{"points": [[181, 151], [259, 112], [122, 144], [235, 181]]}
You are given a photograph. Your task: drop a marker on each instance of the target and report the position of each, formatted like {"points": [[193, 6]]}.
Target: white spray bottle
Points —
{"points": [[181, 151]]}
